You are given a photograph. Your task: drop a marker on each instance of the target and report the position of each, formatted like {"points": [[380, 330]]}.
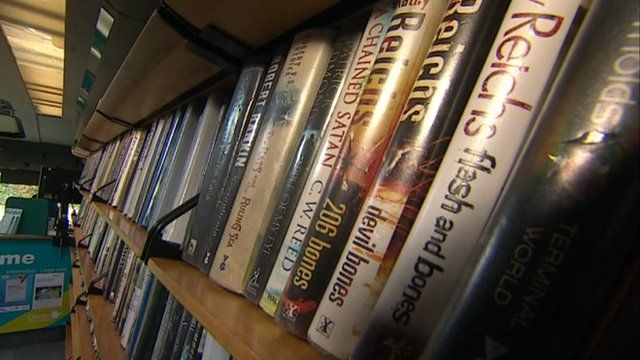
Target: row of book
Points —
{"points": [[408, 182], [151, 322]]}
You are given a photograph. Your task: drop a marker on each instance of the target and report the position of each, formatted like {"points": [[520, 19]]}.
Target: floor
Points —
{"points": [[45, 344]]}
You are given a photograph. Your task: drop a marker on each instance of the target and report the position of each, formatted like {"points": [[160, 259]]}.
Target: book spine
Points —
{"points": [[428, 120], [284, 120], [194, 348], [138, 174], [181, 335], [219, 161], [159, 190], [241, 157], [139, 293], [174, 183], [163, 157], [206, 134], [326, 158], [149, 325], [139, 141], [146, 166], [494, 124], [411, 31], [273, 230], [556, 234], [168, 330]]}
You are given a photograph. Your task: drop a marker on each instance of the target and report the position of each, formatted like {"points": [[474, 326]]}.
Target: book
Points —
{"points": [[133, 153], [148, 323], [543, 273], [173, 184], [506, 97], [193, 170], [244, 150], [169, 326], [139, 296], [163, 171], [283, 122], [181, 335], [219, 161], [411, 30], [213, 350], [325, 160], [158, 158], [428, 120], [142, 168], [271, 233]]}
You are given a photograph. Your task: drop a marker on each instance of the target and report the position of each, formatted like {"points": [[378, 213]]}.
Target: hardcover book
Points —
{"points": [[283, 123], [220, 161], [411, 30], [242, 154], [428, 120], [327, 154], [272, 232], [561, 232], [503, 104]]}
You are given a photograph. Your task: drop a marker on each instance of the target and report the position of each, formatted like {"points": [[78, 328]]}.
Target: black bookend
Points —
{"points": [[154, 245], [209, 43]]}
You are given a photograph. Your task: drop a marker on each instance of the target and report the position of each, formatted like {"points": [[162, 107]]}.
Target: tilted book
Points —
{"points": [[404, 48], [220, 162], [241, 157], [272, 232], [428, 120], [502, 106], [283, 123], [326, 157]]}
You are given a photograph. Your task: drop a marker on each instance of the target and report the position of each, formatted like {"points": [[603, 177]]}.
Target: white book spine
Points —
{"points": [[494, 125]]}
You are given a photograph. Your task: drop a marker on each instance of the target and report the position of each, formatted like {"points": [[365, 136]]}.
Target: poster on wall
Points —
{"points": [[34, 285]]}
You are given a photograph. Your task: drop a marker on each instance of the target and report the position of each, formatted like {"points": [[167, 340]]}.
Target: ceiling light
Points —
{"points": [[41, 65]]}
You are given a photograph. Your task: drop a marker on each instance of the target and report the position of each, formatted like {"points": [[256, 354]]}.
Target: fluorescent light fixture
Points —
{"points": [[103, 29], [41, 65]]}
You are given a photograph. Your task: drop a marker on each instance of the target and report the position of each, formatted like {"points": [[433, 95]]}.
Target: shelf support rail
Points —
{"points": [[154, 245], [209, 43]]}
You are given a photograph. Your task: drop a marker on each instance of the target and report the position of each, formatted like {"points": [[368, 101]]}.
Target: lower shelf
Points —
{"points": [[239, 326], [100, 310]]}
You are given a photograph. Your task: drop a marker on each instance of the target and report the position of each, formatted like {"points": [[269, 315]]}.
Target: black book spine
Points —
{"points": [[559, 231], [168, 329], [142, 345], [241, 158], [181, 335], [220, 161]]}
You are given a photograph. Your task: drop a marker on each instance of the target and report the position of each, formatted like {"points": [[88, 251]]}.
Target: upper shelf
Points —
{"points": [[163, 68]]}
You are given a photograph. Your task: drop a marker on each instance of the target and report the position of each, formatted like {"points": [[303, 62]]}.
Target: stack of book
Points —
{"points": [[428, 180]]}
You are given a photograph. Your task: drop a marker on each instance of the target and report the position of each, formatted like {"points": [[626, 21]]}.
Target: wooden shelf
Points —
{"points": [[81, 342], [239, 326], [101, 310], [134, 235]]}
